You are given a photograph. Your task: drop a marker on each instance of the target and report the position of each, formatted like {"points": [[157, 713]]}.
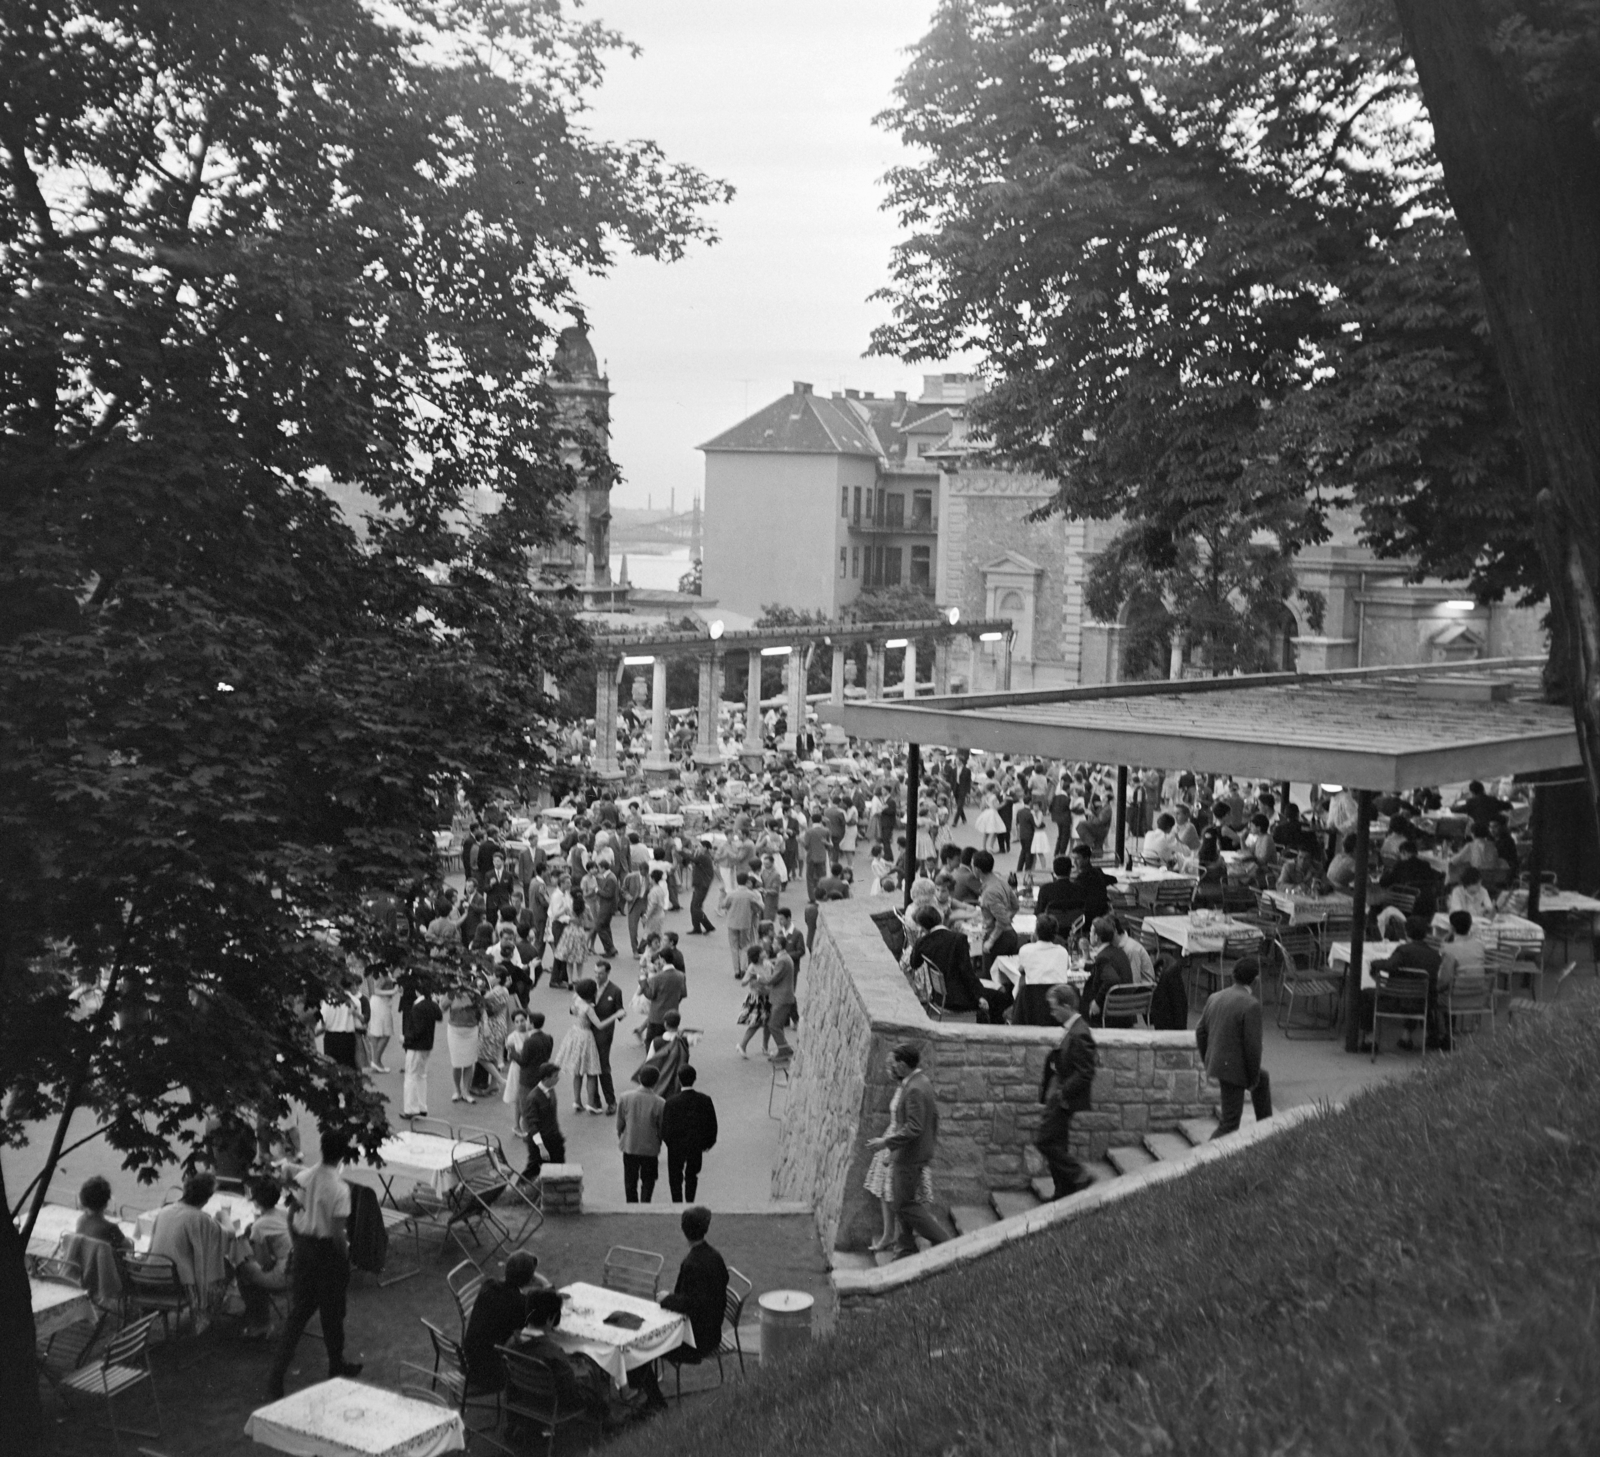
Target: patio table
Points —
{"points": [[1142, 880], [616, 1349], [1305, 910], [1371, 951], [344, 1418], [1204, 937], [424, 1158], [54, 1221], [56, 1305], [1504, 931]]}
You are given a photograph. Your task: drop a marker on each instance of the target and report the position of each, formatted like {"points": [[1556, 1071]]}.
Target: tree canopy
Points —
{"points": [[250, 250], [1206, 255]]}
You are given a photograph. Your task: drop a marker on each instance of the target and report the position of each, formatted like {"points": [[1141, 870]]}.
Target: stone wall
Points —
{"points": [[858, 1007]]}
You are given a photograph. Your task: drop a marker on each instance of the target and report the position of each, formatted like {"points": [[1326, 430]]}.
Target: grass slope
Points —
{"points": [[1418, 1274]]}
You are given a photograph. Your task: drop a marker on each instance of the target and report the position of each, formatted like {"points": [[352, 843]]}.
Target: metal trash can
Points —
{"points": [[785, 1324]]}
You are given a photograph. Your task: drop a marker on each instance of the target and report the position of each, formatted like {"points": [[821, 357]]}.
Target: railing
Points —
{"points": [[914, 525]]}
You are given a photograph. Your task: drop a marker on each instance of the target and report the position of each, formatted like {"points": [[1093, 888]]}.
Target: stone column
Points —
{"points": [[657, 763], [941, 666], [834, 733], [874, 683], [799, 661], [605, 720], [1002, 665], [708, 749], [753, 753], [908, 685]]}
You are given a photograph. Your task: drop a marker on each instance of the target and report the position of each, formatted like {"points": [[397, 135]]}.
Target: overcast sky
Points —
{"points": [[778, 99]]}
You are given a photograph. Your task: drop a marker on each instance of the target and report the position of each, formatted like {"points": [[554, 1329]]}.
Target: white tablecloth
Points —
{"points": [[1339, 957], [1142, 880], [1024, 922], [424, 1157], [1507, 932], [56, 1305], [344, 1418], [1191, 936], [1009, 969], [616, 1349], [234, 1212], [54, 1221], [1310, 909]]}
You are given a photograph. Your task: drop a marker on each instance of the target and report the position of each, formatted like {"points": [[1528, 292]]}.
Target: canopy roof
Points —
{"points": [[1383, 729]]}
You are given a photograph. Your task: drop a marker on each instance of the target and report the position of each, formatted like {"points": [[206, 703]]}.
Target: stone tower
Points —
{"points": [[583, 399]]}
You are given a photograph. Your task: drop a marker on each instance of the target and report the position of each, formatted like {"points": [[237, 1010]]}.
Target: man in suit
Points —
{"points": [[911, 1150], [782, 1000], [607, 1003], [702, 876], [1229, 1039], [743, 915], [689, 1130], [539, 1117], [578, 1380], [701, 1291], [639, 1113], [939, 946], [665, 991], [1068, 1081], [498, 1315], [1061, 897], [1092, 882]]}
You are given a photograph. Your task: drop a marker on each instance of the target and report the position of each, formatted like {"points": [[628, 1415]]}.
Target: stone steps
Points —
{"points": [[1198, 1130], [969, 1217], [1010, 1202], [1166, 1147], [1129, 1159]]}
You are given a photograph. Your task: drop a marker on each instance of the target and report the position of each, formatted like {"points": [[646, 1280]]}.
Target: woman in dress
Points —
{"points": [[989, 824], [384, 1000], [556, 920], [578, 1055], [515, 1039], [461, 1036], [574, 948], [879, 1176], [496, 1014], [655, 905]]}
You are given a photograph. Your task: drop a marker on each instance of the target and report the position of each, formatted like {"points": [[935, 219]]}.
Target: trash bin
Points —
{"points": [[785, 1324]]}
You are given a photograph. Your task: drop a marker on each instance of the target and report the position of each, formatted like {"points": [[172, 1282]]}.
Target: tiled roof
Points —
{"points": [[805, 424]]}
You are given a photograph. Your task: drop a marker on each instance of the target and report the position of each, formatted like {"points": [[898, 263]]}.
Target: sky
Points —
{"points": [[777, 99]]}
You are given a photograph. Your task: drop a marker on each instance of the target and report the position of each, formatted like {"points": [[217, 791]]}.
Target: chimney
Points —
{"points": [[801, 387], [899, 397], [852, 394], [868, 395]]}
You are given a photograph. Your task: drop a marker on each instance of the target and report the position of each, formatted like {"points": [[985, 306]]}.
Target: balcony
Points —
{"points": [[919, 523]]}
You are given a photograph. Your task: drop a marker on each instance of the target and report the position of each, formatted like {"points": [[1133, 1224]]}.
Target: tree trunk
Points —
{"points": [[19, 1383], [1524, 178]]}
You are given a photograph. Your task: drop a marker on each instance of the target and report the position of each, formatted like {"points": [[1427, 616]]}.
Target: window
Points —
{"points": [[896, 514], [844, 557], [855, 556], [857, 517], [891, 566], [922, 567], [844, 500], [922, 509]]}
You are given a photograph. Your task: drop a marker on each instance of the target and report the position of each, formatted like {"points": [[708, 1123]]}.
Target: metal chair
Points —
{"points": [[633, 1272], [1506, 967], [447, 1378], [479, 1188], [739, 1288], [1311, 990], [465, 1281], [936, 992], [153, 1286], [438, 1127], [531, 1392], [125, 1365], [1473, 1005], [781, 1068], [1127, 1001], [1399, 996], [1526, 1007]]}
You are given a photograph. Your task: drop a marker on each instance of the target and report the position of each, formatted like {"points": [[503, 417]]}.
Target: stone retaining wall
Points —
{"points": [[858, 1007]]}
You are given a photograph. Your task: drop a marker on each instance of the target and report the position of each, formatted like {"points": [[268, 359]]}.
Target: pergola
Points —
{"points": [[1372, 729]]}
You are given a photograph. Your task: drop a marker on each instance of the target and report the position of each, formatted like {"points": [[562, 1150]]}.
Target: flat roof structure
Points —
{"points": [[1393, 728]]}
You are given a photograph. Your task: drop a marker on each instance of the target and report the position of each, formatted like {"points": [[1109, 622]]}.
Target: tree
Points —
{"points": [[246, 248], [1205, 253], [692, 582], [817, 656], [1513, 91]]}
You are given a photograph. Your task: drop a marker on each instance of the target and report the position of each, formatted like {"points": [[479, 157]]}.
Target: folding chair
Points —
{"points": [[531, 1392], [465, 1281], [437, 1127], [125, 1365], [1526, 1007], [1127, 1001], [633, 1272], [739, 1288], [1399, 996], [479, 1188], [1474, 1005], [780, 1069], [936, 992], [447, 1379], [153, 1286]]}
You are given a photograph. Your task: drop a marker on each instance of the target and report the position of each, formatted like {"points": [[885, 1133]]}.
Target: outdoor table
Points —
{"points": [[234, 1212], [1024, 923], [344, 1418], [614, 1348], [1308, 909], [54, 1221], [56, 1305], [1033, 1005], [424, 1158], [1504, 931], [1339, 958], [1446, 826], [662, 821], [558, 812], [1568, 902], [1239, 863], [1142, 880], [1193, 937]]}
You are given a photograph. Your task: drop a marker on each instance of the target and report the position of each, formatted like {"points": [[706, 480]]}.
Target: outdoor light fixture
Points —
{"points": [[953, 616], [990, 636], [716, 629], [776, 652], [1460, 604], [896, 642], [637, 662]]}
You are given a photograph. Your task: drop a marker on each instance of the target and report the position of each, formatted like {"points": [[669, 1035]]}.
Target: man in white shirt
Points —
{"points": [[321, 1264], [1159, 844], [339, 1027]]}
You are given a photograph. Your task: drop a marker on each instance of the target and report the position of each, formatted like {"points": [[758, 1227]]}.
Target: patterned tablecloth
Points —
{"points": [[1009, 969], [1310, 909], [1206, 935], [344, 1418], [424, 1157], [1507, 932], [56, 1305], [1142, 880], [1566, 903], [616, 1349]]}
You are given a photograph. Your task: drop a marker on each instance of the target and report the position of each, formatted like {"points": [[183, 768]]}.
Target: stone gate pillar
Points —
{"points": [[606, 679], [753, 753], [708, 747]]}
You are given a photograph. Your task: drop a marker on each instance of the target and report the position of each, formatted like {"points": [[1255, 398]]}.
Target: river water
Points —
{"points": [[658, 571]]}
